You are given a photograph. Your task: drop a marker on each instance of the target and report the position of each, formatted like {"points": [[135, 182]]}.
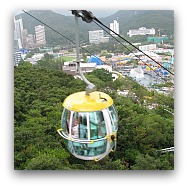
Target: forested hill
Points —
{"points": [[128, 19], [38, 96], [133, 19]]}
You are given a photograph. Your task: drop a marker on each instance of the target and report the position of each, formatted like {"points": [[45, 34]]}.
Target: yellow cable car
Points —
{"points": [[89, 125], [89, 120]]}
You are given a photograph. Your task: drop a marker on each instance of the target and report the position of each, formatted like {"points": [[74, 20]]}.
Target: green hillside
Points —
{"points": [[133, 19]]}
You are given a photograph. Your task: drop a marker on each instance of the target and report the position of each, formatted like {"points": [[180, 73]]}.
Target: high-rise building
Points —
{"points": [[18, 28], [114, 27], [31, 41], [25, 39], [40, 36]]}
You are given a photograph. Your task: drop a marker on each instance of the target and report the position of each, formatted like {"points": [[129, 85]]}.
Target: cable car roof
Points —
{"points": [[81, 102]]}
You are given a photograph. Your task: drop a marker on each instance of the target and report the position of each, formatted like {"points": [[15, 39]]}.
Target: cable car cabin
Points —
{"points": [[89, 125]]}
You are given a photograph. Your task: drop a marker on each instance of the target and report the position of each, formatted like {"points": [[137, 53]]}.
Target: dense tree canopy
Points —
{"points": [[39, 93]]}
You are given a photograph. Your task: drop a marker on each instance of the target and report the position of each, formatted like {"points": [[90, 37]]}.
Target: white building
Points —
{"points": [[97, 36], [17, 58], [115, 27], [40, 35], [141, 31], [148, 47], [18, 29]]}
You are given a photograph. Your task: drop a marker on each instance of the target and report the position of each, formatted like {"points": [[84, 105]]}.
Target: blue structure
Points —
{"points": [[167, 64], [95, 59], [24, 51]]}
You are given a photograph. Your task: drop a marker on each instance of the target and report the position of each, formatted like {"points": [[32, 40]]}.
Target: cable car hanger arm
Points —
{"points": [[90, 87]]}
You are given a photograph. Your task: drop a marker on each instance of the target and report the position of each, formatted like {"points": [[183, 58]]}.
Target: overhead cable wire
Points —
{"points": [[48, 26], [58, 33], [97, 20], [65, 36], [133, 53], [88, 17]]}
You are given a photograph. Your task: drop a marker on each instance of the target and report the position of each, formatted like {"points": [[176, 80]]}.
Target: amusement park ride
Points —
{"points": [[89, 121]]}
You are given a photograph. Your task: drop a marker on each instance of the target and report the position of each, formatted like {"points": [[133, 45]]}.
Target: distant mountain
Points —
{"points": [[128, 19], [60, 23], [133, 19]]}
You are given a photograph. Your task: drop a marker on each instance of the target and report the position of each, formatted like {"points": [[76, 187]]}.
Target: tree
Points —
{"points": [[39, 93], [48, 56]]}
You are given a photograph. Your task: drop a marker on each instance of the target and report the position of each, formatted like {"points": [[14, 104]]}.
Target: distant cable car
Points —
{"points": [[89, 120]]}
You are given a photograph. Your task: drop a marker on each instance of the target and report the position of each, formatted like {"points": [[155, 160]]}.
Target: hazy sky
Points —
{"points": [[97, 13]]}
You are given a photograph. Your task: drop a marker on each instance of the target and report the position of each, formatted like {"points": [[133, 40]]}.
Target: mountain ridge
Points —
{"points": [[128, 19]]}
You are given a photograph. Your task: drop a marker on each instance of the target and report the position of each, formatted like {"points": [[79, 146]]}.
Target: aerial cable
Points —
{"points": [[88, 17], [132, 45], [48, 26], [59, 32], [132, 52], [74, 12]]}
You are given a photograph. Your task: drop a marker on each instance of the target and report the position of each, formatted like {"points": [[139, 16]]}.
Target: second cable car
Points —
{"points": [[89, 125]]}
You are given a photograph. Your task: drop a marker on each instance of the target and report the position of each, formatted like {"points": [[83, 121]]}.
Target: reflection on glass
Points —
{"points": [[114, 118], [66, 121], [91, 149], [97, 125]]}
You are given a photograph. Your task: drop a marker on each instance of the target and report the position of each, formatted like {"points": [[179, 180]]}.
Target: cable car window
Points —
{"points": [[66, 121], [92, 149], [114, 116], [75, 125], [69, 145], [97, 125], [97, 148], [79, 125], [83, 133]]}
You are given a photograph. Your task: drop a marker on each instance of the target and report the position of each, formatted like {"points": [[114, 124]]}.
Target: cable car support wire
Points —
{"points": [[88, 17], [89, 119], [90, 87]]}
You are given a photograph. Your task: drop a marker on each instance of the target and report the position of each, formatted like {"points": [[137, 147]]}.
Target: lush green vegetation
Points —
{"points": [[39, 93]]}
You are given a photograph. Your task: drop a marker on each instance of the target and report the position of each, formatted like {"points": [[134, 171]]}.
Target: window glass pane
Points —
{"points": [[81, 149], [65, 121], [79, 125], [93, 125], [69, 145], [97, 125], [114, 116], [75, 125], [97, 148], [83, 132], [91, 150]]}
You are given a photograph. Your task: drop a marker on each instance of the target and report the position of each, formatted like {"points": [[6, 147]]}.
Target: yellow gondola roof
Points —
{"points": [[81, 102]]}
